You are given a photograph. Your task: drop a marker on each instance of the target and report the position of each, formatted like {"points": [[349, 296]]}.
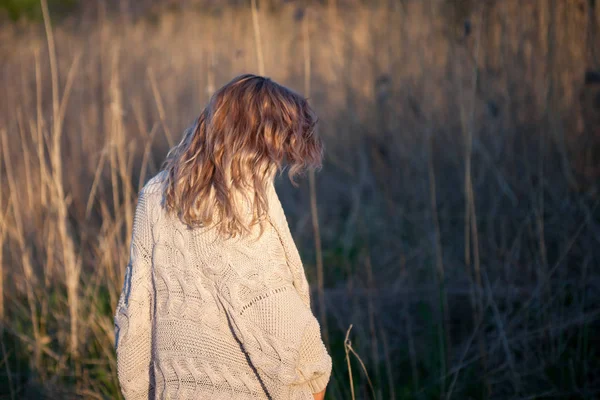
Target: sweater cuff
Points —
{"points": [[319, 384]]}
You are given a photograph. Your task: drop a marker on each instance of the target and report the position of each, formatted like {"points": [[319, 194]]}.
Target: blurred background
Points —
{"points": [[452, 238]]}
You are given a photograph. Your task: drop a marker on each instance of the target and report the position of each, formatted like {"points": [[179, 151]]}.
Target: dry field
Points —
{"points": [[457, 215]]}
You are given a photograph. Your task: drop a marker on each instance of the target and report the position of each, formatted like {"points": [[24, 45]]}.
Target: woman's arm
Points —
{"points": [[279, 331], [315, 362], [281, 337], [133, 316]]}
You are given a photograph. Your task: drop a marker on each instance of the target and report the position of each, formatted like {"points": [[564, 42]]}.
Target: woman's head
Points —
{"points": [[251, 128]]}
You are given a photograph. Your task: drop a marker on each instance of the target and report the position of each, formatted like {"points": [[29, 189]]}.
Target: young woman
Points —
{"points": [[215, 303]]}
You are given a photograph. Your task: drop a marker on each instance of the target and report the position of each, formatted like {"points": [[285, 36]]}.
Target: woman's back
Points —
{"points": [[203, 316]]}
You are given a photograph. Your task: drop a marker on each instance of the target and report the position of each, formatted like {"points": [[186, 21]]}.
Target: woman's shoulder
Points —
{"points": [[155, 184], [152, 192]]}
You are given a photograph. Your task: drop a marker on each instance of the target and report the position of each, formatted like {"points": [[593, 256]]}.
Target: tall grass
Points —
{"points": [[455, 224]]}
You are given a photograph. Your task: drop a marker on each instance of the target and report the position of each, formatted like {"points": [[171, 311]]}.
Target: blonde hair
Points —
{"points": [[249, 128]]}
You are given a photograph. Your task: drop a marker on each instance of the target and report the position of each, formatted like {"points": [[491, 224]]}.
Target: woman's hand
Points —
{"points": [[320, 395]]}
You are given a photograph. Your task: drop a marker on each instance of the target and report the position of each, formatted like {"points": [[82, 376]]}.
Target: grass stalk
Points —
{"points": [[59, 202], [388, 363], [471, 228], [313, 192], [26, 159], [115, 140], [443, 325], [349, 365], [148, 136], [160, 107], [257, 39], [372, 329], [412, 351], [6, 363], [19, 236], [39, 133], [349, 349], [3, 229]]}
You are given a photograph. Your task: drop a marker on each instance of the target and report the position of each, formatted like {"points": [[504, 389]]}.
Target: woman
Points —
{"points": [[215, 303]]}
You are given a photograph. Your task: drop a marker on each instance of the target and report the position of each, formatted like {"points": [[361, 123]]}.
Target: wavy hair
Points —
{"points": [[251, 128]]}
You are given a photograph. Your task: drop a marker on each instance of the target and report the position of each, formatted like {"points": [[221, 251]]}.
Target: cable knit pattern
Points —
{"points": [[202, 317]]}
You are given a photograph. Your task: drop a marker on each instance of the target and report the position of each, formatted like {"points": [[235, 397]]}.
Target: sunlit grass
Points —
{"points": [[457, 212]]}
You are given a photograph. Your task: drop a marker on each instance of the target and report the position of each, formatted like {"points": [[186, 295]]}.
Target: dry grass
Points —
{"points": [[455, 225]]}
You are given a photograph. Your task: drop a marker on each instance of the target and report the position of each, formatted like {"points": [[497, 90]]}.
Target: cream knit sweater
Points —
{"points": [[202, 317]]}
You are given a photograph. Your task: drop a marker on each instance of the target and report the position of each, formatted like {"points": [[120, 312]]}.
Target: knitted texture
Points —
{"points": [[204, 317]]}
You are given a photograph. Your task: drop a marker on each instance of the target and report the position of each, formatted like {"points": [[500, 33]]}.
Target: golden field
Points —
{"points": [[457, 212]]}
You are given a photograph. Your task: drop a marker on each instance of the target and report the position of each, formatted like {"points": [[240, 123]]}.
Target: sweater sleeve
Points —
{"points": [[278, 330], [315, 363], [282, 339], [133, 315]]}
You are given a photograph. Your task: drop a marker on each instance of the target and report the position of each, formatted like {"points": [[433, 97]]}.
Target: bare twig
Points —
{"points": [[349, 349]]}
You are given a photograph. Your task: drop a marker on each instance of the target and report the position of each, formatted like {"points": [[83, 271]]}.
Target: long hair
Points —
{"points": [[251, 128]]}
